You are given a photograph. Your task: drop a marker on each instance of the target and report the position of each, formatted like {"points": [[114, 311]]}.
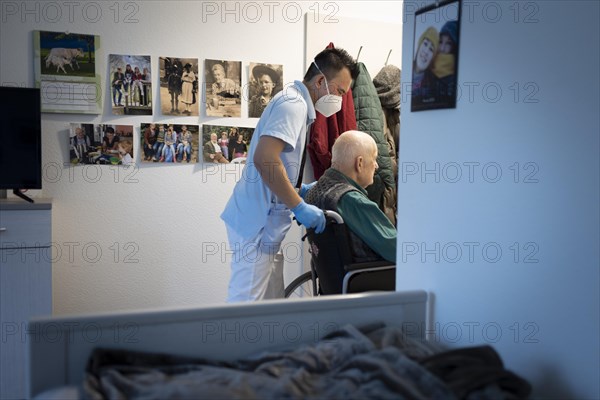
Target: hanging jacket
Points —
{"points": [[391, 128], [324, 132], [387, 84], [369, 119]]}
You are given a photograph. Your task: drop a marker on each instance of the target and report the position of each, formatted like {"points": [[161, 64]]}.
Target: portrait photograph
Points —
{"points": [[130, 84], [435, 56], [169, 143], [65, 70], [225, 144], [223, 88], [179, 86], [265, 81], [101, 144]]}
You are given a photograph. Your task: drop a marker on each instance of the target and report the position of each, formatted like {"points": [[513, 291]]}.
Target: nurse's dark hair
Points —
{"points": [[330, 62]]}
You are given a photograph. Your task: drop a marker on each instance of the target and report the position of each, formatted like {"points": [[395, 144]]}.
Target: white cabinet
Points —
{"points": [[25, 285]]}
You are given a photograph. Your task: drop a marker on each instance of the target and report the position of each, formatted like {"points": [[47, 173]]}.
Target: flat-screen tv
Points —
{"points": [[20, 138]]}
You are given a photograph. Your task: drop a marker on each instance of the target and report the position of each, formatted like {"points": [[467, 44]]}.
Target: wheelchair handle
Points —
{"points": [[335, 216], [329, 214]]}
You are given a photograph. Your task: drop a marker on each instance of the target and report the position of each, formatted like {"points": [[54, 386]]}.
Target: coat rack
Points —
{"points": [[358, 55], [388, 58]]}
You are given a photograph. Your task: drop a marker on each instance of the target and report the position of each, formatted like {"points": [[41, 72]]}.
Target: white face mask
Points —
{"points": [[328, 104]]}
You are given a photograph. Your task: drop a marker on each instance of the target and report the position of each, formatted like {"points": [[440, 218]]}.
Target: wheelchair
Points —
{"points": [[335, 269]]}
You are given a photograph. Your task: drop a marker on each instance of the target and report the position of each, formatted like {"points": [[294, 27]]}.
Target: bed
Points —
{"points": [[62, 348]]}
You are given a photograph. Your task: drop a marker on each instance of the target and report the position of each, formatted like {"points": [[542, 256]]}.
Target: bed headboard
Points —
{"points": [[59, 347]]}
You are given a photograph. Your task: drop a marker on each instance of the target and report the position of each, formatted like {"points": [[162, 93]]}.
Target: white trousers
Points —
{"points": [[254, 274]]}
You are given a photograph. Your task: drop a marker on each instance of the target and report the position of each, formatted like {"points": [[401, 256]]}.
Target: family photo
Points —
{"points": [[101, 144], [130, 84], [435, 62], [226, 144], [168, 143]]}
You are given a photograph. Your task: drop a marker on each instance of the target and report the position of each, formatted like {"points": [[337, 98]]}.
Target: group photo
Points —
{"points": [[169, 143], [225, 144], [101, 144]]}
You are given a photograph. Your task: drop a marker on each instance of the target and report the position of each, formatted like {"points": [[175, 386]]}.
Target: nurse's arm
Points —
{"points": [[268, 162]]}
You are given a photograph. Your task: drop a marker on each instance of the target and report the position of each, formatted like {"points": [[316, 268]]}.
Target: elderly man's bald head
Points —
{"points": [[354, 153], [350, 145]]}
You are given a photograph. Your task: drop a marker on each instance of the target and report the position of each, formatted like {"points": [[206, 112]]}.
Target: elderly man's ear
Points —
{"points": [[359, 163]]}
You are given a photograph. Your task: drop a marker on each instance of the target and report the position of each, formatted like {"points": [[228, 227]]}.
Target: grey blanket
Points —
{"points": [[377, 363]]}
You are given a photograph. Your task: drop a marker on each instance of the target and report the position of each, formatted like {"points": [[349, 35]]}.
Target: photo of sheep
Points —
{"points": [[65, 70]]}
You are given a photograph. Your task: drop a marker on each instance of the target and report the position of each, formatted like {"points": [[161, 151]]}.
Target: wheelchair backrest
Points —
{"points": [[330, 253]]}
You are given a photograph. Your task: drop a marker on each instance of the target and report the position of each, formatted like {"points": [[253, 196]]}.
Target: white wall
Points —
{"points": [[543, 316], [164, 217]]}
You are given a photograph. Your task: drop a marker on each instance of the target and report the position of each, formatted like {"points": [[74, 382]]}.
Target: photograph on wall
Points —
{"points": [[265, 81], [225, 144], [435, 56], [130, 84], [223, 93], [178, 86], [101, 144], [65, 71], [169, 143]]}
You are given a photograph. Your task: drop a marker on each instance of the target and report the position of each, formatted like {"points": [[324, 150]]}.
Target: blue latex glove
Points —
{"points": [[310, 216], [305, 188]]}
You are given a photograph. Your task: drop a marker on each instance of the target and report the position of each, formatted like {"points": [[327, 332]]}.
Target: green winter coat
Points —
{"points": [[369, 119]]}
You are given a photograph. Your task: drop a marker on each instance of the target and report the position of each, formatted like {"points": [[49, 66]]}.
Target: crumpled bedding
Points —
{"points": [[375, 362]]}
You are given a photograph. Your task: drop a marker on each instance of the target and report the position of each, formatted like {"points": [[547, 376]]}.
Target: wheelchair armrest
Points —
{"points": [[382, 264]]}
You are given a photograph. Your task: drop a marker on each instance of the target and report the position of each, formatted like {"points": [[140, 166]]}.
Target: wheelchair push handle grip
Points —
{"points": [[328, 214], [330, 217], [333, 215]]}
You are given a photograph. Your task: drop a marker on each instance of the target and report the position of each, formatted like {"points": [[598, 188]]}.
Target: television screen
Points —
{"points": [[20, 138]]}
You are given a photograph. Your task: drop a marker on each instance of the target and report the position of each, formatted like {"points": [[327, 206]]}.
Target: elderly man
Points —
{"points": [[341, 189], [212, 151], [80, 144]]}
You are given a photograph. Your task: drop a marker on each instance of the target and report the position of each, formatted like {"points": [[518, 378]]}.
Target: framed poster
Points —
{"points": [[65, 72], [435, 56]]}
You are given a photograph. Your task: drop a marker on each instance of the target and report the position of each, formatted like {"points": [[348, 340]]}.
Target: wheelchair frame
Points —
{"points": [[352, 269]]}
